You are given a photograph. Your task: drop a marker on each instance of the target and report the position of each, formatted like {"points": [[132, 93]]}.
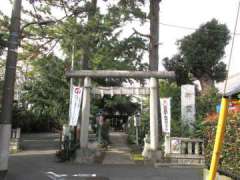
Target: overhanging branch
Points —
{"points": [[141, 34]]}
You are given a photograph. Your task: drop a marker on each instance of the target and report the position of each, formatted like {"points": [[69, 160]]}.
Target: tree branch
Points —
{"points": [[141, 34], [53, 46], [47, 22]]}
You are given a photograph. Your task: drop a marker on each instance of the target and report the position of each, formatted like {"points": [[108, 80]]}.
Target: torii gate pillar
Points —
{"points": [[85, 113], [153, 114]]}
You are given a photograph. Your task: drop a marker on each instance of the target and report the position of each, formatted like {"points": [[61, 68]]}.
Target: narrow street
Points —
{"points": [[39, 158]]}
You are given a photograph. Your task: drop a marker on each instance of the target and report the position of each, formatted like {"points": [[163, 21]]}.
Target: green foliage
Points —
{"points": [[167, 89], [4, 24], [204, 49], [30, 122], [207, 103], [122, 104], [230, 159], [200, 55], [132, 9], [177, 64], [205, 106], [3, 42], [47, 93], [170, 89], [98, 43]]}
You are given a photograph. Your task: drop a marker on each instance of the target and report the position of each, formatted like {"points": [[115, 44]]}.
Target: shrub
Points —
{"points": [[230, 155]]}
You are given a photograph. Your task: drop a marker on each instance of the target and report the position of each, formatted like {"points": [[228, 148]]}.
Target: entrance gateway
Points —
{"points": [[87, 75]]}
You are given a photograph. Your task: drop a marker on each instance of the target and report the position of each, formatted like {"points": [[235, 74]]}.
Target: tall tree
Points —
{"points": [[47, 90], [200, 54], [177, 64], [154, 35], [8, 87], [95, 35]]}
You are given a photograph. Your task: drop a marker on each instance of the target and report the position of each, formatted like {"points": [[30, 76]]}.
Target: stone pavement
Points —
{"points": [[118, 152]]}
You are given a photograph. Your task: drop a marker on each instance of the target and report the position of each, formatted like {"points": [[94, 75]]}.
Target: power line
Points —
{"points": [[191, 28], [231, 51], [177, 26]]}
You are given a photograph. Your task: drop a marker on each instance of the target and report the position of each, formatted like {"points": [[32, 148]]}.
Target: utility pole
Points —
{"points": [[8, 88]]}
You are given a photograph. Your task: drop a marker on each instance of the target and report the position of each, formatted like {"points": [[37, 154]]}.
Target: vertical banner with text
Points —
{"points": [[166, 114], [75, 104]]}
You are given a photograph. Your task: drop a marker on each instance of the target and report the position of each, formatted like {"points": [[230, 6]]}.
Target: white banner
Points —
{"points": [[166, 114], [75, 104]]}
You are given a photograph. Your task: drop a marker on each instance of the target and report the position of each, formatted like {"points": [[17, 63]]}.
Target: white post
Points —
{"points": [[196, 148], [137, 141], [153, 114], [167, 144], [18, 133], [189, 144], [202, 153], [5, 133], [85, 113]]}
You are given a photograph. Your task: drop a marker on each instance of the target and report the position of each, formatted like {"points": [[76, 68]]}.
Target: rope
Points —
{"points": [[231, 51]]}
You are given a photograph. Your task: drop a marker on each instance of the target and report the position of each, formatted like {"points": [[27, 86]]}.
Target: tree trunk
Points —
{"points": [[8, 88], [154, 35], [154, 44], [206, 84], [87, 51], [85, 58]]}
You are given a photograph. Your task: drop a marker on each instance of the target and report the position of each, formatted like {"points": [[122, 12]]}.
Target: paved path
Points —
{"points": [[118, 152], [34, 164], [35, 167]]}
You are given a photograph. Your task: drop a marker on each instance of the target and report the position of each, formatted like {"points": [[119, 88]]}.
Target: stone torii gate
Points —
{"points": [[152, 90]]}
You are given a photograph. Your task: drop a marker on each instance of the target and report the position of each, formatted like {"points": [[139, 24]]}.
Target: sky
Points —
{"points": [[193, 13], [190, 14]]}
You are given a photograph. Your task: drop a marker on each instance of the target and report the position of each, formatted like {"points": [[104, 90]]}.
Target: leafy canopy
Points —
{"points": [[200, 54]]}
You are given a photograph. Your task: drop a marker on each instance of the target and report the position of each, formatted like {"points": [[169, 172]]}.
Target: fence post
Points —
{"points": [[196, 148], [189, 146]]}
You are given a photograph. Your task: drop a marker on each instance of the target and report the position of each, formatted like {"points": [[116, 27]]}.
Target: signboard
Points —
{"points": [[75, 104], [137, 120], [165, 114], [176, 146], [188, 104]]}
